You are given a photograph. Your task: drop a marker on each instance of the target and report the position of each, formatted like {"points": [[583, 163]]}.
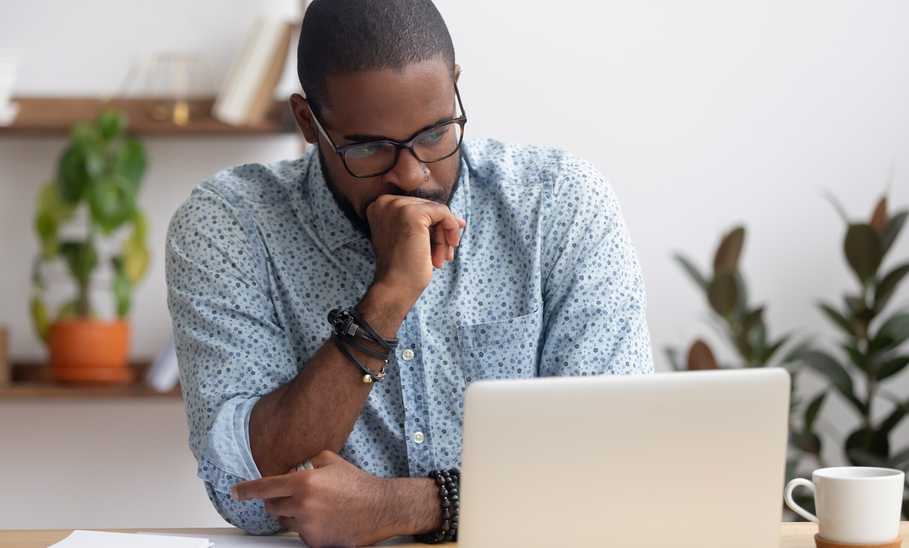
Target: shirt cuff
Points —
{"points": [[227, 458]]}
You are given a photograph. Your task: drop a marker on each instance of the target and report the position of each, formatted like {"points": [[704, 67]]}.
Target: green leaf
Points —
{"points": [[95, 161], [864, 457], [122, 288], [866, 447], [728, 253], [887, 286], [692, 271], [891, 367], [863, 251], [40, 321], [808, 442], [892, 420], [722, 293], [893, 332], [73, 174], [855, 304], [111, 123], [773, 348], [741, 294], [811, 412], [51, 212], [893, 230], [81, 259], [838, 319], [837, 375], [135, 253], [140, 226], [111, 201], [130, 162], [84, 133], [797, 352], [856, 356]]}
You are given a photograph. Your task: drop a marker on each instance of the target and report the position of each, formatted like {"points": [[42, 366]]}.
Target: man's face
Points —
{"points": [[392, 104]]}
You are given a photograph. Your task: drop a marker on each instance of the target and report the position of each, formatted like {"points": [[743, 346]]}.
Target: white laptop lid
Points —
{"points": [[693, 459]]}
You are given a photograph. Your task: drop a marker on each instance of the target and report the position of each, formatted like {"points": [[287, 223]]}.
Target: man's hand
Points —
{"points": [[337, 504], [410, 236]]}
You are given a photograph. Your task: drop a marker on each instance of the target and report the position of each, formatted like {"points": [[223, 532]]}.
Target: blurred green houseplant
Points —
{"points": [[99, 171], [743, 327], [872, 346]]}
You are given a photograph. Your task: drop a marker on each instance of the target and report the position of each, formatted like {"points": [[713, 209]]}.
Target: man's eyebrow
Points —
{"points": [[365, 137]]}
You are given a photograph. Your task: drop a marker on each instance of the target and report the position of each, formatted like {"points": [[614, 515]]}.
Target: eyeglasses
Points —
{"points": [[373, 158]]}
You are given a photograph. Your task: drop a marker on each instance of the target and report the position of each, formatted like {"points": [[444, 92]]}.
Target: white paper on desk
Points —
{"points": [[253, 541], [243, 541], [103, 539]]}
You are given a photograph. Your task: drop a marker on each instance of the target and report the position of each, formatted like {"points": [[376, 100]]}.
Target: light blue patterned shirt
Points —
{"points": [[545, 283]]}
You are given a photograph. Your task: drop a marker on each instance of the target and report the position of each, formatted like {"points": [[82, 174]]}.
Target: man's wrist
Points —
{"points": [[417, 504], [384, 309]]}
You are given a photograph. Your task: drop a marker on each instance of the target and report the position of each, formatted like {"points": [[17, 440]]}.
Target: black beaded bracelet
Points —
{"points": [[449, 482]]}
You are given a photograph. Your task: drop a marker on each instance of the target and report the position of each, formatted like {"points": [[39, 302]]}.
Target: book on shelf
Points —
{"points": [[249, 89]]}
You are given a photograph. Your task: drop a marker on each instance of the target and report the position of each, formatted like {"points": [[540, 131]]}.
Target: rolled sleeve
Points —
{"points": [[595, 301], [231, 347]]}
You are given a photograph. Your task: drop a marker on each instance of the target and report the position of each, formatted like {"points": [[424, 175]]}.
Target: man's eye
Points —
{"points": [[433, 136], [365, 150]]}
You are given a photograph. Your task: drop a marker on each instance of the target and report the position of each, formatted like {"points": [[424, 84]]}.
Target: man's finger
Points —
{"points": [[289, 523], [324, 458], [265, 488], [435, 213], [439, 247], [281, 507]]}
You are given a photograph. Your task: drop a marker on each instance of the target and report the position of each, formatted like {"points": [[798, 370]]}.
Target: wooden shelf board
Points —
{"points": [[54, 116], [33, 381]]}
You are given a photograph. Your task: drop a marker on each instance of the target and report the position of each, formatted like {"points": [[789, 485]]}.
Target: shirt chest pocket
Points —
{"points": [[505, 349]]}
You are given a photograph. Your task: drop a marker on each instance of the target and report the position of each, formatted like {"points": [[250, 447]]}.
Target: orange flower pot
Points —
{"points": [[86, 350]]}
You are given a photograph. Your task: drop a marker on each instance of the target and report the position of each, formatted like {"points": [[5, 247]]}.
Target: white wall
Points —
{"points": [[703, 114]]}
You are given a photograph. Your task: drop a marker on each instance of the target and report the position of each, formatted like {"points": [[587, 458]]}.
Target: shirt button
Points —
{"points": [[407, 355], [418, 437]]}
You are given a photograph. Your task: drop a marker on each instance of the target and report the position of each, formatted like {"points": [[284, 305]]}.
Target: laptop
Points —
{"points": [[687, 459]]}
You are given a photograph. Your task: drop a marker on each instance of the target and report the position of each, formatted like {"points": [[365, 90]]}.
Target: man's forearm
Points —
{"points": [[318, 408]]}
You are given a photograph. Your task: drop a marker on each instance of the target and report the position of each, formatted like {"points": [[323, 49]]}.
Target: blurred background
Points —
{"points": [[704, 115]]}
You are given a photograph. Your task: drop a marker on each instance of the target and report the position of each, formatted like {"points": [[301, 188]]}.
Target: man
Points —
{"points": [[484, 260]]}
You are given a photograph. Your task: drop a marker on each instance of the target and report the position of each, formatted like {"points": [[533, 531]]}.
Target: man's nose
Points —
{"points": [[409, 173]]}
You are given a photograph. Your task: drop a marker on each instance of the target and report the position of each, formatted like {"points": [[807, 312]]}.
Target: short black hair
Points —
{"points": [[344, 36]]}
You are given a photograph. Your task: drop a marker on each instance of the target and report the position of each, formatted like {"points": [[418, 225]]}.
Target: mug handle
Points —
{"points": [[790, 487]]}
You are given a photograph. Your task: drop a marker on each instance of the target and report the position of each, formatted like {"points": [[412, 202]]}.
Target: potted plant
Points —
{"points": [[743, 328], [87, 219], [872, 342]]}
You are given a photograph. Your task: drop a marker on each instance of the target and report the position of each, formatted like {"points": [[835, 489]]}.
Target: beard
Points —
{"points": [[358, 219]]}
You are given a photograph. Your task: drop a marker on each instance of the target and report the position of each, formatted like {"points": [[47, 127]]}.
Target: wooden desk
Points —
{"points": [[792, 535]]}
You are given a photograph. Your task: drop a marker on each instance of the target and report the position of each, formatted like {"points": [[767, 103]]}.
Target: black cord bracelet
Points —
{"points": [[368, 376], [449, 483], [348, 329]]}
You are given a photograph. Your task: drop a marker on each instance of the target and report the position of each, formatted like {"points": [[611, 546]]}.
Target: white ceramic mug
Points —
{"points": [[855, 504]]}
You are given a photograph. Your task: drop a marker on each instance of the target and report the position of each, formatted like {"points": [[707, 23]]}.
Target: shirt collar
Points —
{"points": [[332, 225]]}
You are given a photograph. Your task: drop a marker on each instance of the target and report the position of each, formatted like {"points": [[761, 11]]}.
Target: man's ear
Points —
{"points": [[300, 107], [457, 72]]}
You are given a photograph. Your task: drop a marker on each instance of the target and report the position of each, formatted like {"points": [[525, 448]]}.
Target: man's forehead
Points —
{"points": [[391, 102]]}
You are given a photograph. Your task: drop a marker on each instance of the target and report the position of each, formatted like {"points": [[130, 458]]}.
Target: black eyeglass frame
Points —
{"points": [[399, 145]]}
